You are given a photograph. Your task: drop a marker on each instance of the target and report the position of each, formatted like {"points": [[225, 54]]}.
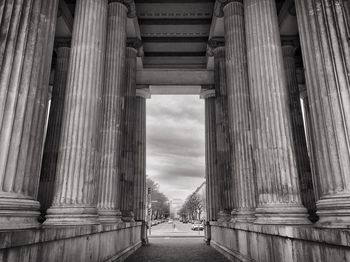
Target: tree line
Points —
{"points": [[192, 208], [160, 202]]}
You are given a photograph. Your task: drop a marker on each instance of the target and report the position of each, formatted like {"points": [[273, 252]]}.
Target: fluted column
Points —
{"points": [[112, 105], [239, 110], [212, 185], [77, 175], [50, 155], [25, 60], [128, 136], [140, 155], [223, 172], [326, 54], [298, 131], [279, 200]]}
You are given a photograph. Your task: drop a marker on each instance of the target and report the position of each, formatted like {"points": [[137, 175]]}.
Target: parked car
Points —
{"points": [[170, 221], [197, 226]]}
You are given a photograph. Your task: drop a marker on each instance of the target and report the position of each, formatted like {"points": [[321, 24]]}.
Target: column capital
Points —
{"points": [[220, 5], [144, 93], [207, 93], [63, 42], [130, 4], [214, 45]]}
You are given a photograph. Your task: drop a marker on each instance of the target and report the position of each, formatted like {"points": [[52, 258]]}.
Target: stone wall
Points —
{"points": [[80, 243], [264, 243]]}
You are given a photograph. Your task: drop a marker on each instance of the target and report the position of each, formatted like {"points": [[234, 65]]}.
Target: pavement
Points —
{"points": [[179, 230], [176, 249], [168, 244]]}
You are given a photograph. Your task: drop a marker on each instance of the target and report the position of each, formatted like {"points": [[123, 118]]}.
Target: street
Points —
{"points": [[180, 230]]}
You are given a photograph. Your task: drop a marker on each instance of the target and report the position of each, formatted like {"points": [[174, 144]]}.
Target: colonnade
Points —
{"points": [[93, 157], [281, 171]]}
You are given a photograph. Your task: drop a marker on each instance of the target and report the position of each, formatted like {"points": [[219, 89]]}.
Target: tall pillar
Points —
{"points": [[77, 175], [213, 207], [50, 155], [140, 155], [279, 200], [128, 136], [298, 131], [112, 104], [326, 54], [25, 62], [239, 109], [223, 150], [140, 161]]}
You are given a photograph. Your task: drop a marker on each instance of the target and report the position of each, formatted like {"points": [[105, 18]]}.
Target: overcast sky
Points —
{"points": [[176, 143]]}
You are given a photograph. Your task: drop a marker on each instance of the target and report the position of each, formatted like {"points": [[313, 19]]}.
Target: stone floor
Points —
{"points": [[176, 249]]}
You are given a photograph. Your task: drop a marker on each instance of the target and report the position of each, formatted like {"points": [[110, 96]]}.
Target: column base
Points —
{"points": [[244, 216], [128, 216], [224, 216], [334, 212], [71, 216], [282, 215], [18, 213], [108, 216]]}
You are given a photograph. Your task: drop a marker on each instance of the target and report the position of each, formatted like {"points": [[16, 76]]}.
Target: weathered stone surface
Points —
{"points": [[298, 131], [27, 31], [239, 112], [266, 243], [128, 137], [277, 178], [223, 173], [325, 49], [77, 174], [112, 107], [50, 155]]}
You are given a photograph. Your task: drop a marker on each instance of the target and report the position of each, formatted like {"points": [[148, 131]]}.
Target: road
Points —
{"points": [[180, 230]]}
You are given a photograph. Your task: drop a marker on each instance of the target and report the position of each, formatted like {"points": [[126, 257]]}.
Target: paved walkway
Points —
{"points": [[176, 249]]}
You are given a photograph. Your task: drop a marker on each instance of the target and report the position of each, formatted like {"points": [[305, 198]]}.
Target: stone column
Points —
{"points": [[140, 155], [239, 110], [210, 155], [326, 54], [223, 150], [279, 200], [77, 175], [49, 163], [112, 105], [128, 137], [25, 61], [298, 131]]}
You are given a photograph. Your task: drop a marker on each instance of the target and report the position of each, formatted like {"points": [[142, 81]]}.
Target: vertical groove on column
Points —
{"points": [[112, 114], [128, 146], [212, 183], [298, 132], [278, 184], [49, 164], [223, 172], [239, 112], [140, 160], [75, 186], [325, 45]]}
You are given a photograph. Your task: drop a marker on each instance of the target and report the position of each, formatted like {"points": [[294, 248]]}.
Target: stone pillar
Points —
{"points": [[298, 131], [326, 54], [27, 37], [77, 175], [112, 105], [213, 207], [239, 110], [140, 161], [128, 137], [223, 150], [49, 163], [140, 155], [279, 200]]}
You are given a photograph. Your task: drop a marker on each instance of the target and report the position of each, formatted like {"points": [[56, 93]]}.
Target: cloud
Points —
{"points": [[176, 143]]}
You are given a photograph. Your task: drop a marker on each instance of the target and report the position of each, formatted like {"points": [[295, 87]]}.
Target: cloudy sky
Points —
{"points": [[176, 143]]}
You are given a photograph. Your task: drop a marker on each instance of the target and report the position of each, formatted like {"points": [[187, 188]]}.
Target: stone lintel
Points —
{"points": [[207, 93]]}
